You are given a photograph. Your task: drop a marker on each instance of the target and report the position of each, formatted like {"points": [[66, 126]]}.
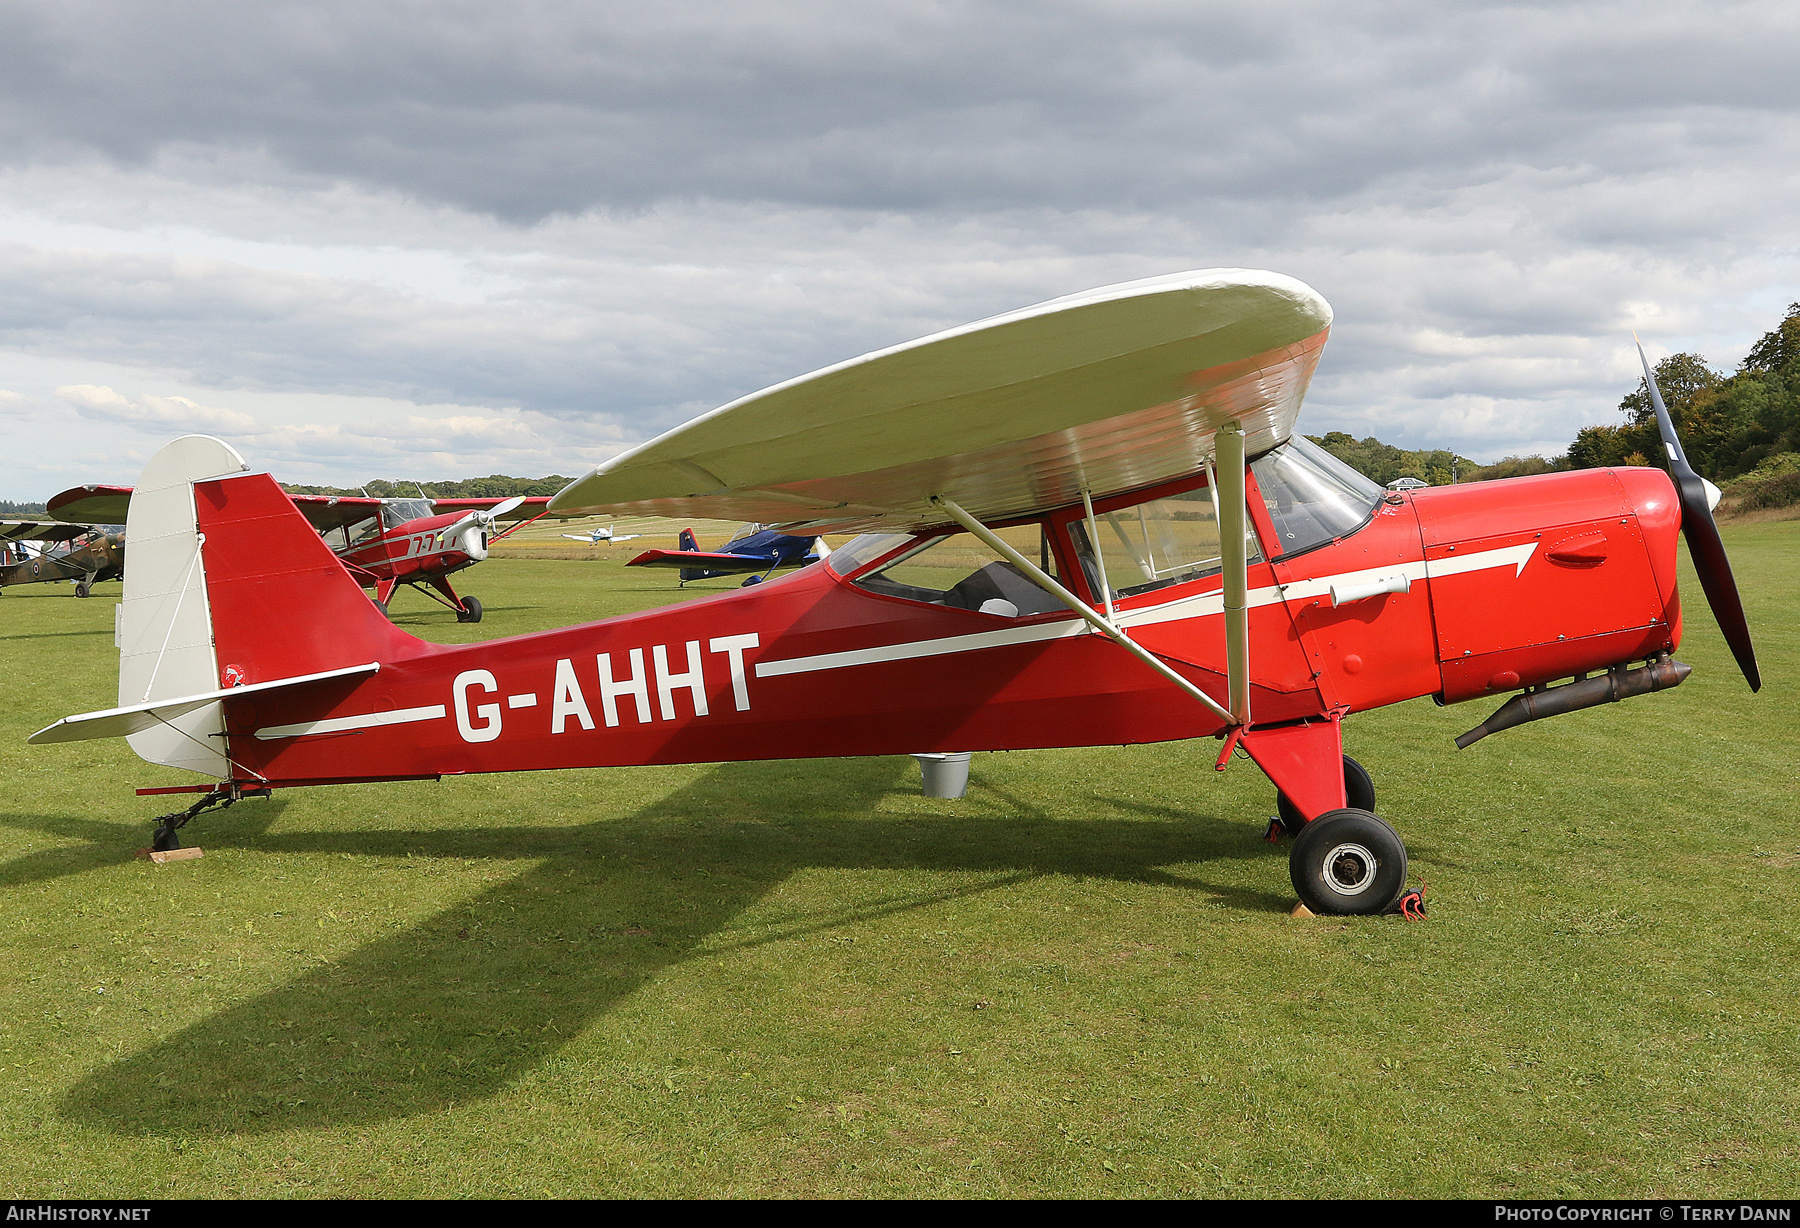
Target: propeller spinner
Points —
{"points": [[1698, 497]]}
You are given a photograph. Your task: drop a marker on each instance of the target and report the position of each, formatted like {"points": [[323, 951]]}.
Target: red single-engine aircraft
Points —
{"points": [[1085, 522], [384, 543]]}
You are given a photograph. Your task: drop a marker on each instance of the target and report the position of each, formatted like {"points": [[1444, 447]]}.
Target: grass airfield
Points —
{"points": [[806, 979]]}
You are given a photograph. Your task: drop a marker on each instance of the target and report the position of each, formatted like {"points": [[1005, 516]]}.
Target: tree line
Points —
{"points": [[1385, 463], [494, 486], [1730, 424]]}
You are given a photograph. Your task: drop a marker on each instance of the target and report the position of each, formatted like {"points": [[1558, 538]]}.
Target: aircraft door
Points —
{"points": [[1351, 577]]}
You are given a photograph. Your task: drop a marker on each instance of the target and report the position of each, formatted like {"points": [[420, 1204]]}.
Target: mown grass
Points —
{"points": [[807, 979]]}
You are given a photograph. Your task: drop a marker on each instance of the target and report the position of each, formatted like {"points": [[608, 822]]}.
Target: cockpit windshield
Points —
{"points": [[399, 511], [1312, 496]]}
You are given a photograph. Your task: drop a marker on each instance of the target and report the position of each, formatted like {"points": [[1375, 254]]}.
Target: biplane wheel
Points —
{"points": [[1359, 794], [165, 839], [382, 606], [1348, 863], [471, 611]]}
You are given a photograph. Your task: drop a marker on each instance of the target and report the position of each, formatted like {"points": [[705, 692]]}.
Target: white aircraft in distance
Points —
{"points": [[599, 535]]}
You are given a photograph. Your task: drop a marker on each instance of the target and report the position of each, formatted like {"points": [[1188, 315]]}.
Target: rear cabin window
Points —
{"points": [[1312, 496], [956, 570], [1155, 544]]}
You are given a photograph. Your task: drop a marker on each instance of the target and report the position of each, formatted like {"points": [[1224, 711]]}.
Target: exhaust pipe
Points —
{"points": [[1658, 674]]}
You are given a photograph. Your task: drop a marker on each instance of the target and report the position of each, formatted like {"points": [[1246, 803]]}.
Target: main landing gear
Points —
{"points": [[466, 609], [1346, 862]]}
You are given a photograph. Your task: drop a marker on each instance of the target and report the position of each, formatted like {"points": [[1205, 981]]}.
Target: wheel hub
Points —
{"points": [[1350, 869]]}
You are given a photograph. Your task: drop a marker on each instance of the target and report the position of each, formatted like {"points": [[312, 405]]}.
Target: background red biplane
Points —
{"points": [[384, 543]]}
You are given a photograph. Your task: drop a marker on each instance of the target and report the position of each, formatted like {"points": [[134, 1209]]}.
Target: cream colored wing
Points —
{"points": [[1113, 389]]}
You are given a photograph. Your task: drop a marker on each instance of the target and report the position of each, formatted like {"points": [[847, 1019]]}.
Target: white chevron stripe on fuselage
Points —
{"points": [[1203, 605]]}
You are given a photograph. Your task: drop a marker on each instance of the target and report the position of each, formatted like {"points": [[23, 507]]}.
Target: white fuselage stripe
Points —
{"points": [[1203, 605], [339, 724], [924, 648]]}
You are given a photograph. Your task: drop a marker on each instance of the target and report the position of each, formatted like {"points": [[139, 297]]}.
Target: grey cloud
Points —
{"points": [[534, 109], [669, 206]]}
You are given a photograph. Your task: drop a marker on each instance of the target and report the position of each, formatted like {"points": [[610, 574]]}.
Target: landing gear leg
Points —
{"points": [[1359, 794], [468, 610]]}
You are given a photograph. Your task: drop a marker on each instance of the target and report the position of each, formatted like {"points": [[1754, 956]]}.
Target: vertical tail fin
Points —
{"points": [[687, 540], [227, 584]]}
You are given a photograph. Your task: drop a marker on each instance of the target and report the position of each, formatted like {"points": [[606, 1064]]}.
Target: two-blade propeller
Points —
{"points": [[1698, 496]]}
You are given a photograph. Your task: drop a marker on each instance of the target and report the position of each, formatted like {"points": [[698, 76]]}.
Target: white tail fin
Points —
{"points": [[165, 623]]}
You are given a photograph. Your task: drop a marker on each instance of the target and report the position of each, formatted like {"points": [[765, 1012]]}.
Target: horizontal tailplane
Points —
{"points": [[122, 722]]}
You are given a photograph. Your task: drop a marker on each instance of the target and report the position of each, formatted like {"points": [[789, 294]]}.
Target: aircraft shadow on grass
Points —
{"points": [[460, 1005], [53, 635]]}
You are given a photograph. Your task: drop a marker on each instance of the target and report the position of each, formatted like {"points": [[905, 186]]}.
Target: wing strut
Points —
{"points": [[1228, 475], [1098, 621]]}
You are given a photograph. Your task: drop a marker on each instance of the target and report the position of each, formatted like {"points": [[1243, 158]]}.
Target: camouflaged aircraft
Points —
{"points": [[37, 552]]}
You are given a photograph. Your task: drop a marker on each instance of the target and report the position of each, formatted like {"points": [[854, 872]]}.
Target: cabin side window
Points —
{"points": [[362, 532], [957, 570], [1155, 544], [1313, 497]]}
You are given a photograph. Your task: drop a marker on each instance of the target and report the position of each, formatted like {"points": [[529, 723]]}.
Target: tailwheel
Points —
{"points": [[1348, 863], [471, 611], [1359, 794]]}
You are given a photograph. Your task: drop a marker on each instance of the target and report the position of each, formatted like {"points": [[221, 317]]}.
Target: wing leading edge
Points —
{"points": [[1111, 390]]}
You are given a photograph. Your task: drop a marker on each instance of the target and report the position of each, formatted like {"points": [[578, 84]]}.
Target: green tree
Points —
{"points": [[1779, 347]]}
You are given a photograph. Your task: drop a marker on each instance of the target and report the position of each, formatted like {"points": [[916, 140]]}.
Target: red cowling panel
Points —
{"points": [[1586, 595]]}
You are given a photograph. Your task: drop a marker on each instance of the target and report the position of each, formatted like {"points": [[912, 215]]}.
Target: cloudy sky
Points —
{"points": [[408, 239]]}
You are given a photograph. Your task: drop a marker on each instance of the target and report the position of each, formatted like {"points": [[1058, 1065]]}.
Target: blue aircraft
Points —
{"points": [[753, 548]]}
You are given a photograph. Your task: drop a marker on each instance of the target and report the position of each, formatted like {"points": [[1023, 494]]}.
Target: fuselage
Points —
{"points": [[1452, 592]]}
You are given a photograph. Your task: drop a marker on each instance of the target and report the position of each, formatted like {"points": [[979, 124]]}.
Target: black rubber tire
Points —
{"points": [[471, 611], [83, 587], [382, 606], [1359, 794], [165, 840], [1348, 863]]}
